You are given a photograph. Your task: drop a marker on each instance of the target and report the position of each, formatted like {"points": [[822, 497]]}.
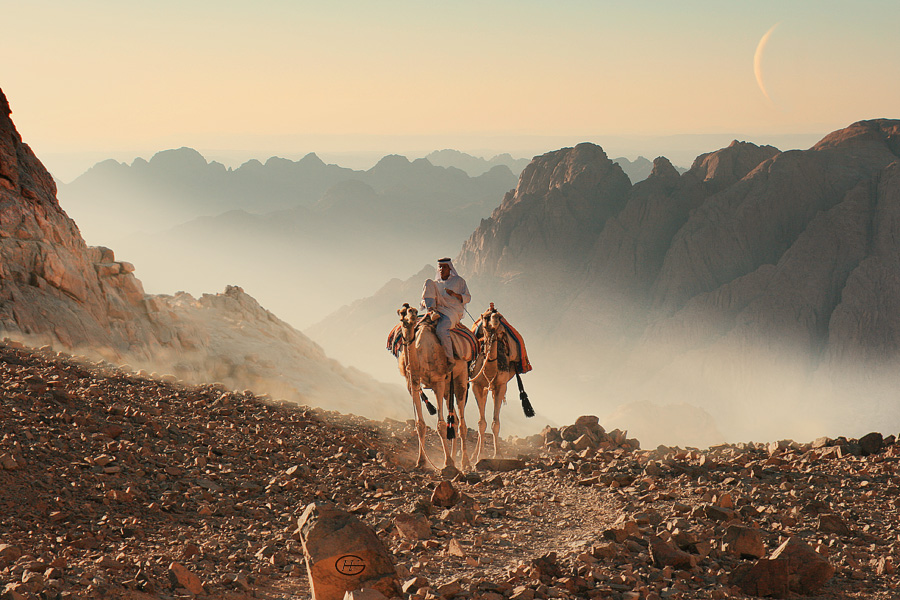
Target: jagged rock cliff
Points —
{"points": [[55, 289]]}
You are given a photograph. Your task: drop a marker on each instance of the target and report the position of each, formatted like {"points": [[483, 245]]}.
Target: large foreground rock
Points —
{"points": [[343, 554]]}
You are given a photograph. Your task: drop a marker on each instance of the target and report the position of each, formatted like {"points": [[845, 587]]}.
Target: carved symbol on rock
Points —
{"points": [[350, 565]]}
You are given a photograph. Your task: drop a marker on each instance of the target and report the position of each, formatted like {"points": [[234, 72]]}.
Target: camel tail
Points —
{"points": [[451, 420], [526, 404], [431, 409]]}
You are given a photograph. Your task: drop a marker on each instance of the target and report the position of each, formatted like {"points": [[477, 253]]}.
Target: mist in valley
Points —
{"points": [[337, 253]]}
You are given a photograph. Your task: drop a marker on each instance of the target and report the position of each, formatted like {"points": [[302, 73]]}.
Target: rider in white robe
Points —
{"points": [[447, 295]]}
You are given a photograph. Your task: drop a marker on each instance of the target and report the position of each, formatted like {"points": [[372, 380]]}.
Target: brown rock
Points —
{"points": [[342, 554], [445, 495], [9, 553], [664, 554], [766, 577], [411, 585], [181, 576], [545, 568], [807, 569], [744, 542], [871, 443], [831, 523], [522, 593], [413, 526], [718, 513], [454, 548], [450, 589]]}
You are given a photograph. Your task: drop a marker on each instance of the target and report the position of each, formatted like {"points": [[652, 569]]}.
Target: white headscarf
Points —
{"points": [[445, 261]]}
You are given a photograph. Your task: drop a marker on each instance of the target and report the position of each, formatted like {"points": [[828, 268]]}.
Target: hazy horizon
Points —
{"points": [[113, 80]]}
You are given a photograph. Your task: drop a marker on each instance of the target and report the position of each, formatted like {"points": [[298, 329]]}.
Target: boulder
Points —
{"points": [[744, 542], [445, 495], [664, 554], [807, 569], [871, 443], [343, 554], [180, 576], [765, 578], [793, 567], [413, 526]]}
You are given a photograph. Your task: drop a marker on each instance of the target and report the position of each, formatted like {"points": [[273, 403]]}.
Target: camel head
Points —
{"points": [[408, 319]]}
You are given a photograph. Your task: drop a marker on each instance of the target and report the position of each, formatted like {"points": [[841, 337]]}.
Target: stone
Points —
{"points": [[765, 578], [588, 422], [181, 576], [664, 554], [743, 542], [500, 464], [545, 568], [582, 443], [450, 589], [831, 523], [9, 553], [413, 526], [411, 585], [807, 569], [871, 443], [454, 548], [343, 554], [445, 495], [718, 513], [522, 593]]}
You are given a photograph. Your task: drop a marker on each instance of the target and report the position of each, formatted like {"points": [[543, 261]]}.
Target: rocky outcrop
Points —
{"points": [[54, 289], [51, 283], [549, 222]]}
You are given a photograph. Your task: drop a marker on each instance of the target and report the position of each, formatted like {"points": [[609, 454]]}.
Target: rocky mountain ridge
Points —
{"points": [[54, 289], [179, 185]]}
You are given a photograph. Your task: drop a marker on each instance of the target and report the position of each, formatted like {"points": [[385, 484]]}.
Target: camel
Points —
{"points": [[423, 363], [496, 364]]}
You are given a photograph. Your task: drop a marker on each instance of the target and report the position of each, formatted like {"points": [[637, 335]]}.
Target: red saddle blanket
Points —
{"points": [[465, 346], [515, 336]]}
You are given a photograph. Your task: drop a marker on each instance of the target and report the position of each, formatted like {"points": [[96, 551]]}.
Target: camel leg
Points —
{"points": [[462, 392], [481, 400], [420, 429], [440, 391], [499, 395]]}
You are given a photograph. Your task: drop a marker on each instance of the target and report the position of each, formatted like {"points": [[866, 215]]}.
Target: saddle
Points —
{"points": [[523, 365], [465, 346]]}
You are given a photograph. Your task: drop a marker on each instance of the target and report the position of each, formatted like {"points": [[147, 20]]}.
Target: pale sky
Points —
{"points": [[97, 79]]}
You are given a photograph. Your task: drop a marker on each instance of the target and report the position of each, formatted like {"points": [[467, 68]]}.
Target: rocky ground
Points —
{"points": [[114, 485]]}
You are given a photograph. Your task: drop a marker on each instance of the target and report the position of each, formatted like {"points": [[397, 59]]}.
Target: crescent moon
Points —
{"points": [[757, 62]]}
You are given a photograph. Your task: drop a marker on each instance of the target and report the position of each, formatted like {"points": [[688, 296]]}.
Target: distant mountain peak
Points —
{"points": [[183, 158], [311, 159], [663, 169]]}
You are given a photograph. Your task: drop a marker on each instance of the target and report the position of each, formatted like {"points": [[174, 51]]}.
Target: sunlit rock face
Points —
{"points": [[55, 289], [51, 283]]}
